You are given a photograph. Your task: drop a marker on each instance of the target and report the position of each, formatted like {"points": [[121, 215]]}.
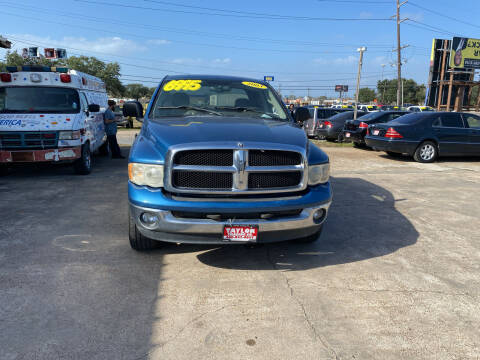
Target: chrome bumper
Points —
{"points": [[206, 231]]}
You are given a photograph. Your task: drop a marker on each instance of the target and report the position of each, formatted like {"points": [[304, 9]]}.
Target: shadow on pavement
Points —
{"points": [[363, 223]]}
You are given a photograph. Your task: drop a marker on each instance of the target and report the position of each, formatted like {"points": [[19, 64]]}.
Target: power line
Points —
{"points": [[442, 15], [183, 31], [266, 16], [357, 2]]}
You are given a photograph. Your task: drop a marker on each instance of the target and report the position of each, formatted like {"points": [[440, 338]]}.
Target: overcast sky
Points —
{"points": [[295, 41]]}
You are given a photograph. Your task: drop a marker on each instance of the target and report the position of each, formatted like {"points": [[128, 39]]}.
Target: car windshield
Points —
{"points": [[408, 119], [36, 100], [218, 97]]}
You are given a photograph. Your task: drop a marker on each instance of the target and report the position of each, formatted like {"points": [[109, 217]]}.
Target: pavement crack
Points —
{"points": [[312, 327], [196, 318]]}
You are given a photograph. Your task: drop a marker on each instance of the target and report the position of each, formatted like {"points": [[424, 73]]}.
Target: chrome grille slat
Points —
{"points": [[280, 168]]}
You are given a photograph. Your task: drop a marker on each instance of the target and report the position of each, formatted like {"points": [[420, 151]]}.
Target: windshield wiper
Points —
{"points": [[187, 107], [243, 109]]}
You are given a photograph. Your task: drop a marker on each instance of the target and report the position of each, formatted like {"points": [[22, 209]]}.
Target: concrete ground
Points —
{"points": [[395, 275]]}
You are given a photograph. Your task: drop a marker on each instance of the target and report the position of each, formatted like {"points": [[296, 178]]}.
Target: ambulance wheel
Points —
{"points": [[137, 240], [311, 238], [103, 150], [3, 170], [83, 166]]}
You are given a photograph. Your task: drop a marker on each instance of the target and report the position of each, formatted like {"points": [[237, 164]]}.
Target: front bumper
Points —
{"points": [[396, 146], [171, 228], [50, 155]]}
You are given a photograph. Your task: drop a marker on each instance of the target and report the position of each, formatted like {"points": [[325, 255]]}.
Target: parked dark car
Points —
{"points": [[355, 130], [332, 127], [317, 114], [427, 135]]}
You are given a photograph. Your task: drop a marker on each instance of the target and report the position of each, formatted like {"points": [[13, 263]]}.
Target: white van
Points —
{"points": [[51, 115]]}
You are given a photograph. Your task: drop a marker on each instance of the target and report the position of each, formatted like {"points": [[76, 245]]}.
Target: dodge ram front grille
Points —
{"points": [[235, 170], [202, 180]]}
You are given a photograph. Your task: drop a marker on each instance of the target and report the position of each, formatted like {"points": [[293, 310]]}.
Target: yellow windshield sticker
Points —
{"points": [[254, 84], [186, 85]]}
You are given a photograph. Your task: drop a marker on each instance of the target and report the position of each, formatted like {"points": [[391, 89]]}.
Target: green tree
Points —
{"points": [[366, 95], [108, 72], [412, 92], [136, 91]]}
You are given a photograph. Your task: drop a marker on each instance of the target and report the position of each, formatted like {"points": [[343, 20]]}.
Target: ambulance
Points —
{"points": [[51, 114]]}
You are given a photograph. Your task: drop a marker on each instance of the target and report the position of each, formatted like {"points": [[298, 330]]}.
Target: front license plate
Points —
{"points": [[22, 156], [376, 132], [347, 134], [240, 233]]}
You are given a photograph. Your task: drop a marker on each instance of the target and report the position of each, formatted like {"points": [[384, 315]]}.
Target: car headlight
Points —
{"points": [[69, 135], [146, 174], [318, 174]]}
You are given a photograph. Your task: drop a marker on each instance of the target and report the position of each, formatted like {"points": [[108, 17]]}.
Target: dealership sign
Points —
{"points": [[465, 53]]}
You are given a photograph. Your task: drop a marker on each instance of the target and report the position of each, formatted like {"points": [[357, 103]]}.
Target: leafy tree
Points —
{"points": [[108, 72], [412, 92], [136, 91], [366, 95]]}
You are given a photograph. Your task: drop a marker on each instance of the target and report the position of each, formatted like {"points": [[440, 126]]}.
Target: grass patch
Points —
{"points": [[325, 143]]}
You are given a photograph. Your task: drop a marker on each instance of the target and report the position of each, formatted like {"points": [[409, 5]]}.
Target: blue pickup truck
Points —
{"points": [[220, 160]]}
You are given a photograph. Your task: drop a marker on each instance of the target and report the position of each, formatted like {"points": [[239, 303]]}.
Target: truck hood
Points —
{"points": [[203, 129], [38, 122]]}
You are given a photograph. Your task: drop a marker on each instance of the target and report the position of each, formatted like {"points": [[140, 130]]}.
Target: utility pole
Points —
{"points": [[399, 52], [361, 50], [383, 92]]}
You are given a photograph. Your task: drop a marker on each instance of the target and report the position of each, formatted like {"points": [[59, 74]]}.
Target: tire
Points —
{"points": [[139, 242], [103, 150], [83, 166], [393, 154], [3, 170], [357, 145], [311, 238], [427, 152]]}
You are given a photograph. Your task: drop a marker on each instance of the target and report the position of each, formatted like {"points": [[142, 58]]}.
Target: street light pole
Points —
{"points": [[361, 50]]}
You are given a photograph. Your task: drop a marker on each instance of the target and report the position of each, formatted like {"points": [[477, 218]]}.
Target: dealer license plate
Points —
{"points": [[376, 132], [347, 134], [240, 233]]}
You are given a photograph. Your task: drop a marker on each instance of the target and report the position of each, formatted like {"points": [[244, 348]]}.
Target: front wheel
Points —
{"points": [[83, 166], [3, 170], [311, 238], [427, 152], [137, 240]]}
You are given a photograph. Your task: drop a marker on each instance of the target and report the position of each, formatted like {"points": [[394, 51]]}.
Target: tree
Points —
{"points": [[412, 92], [366, 95], [136, 91], [108, 72]]}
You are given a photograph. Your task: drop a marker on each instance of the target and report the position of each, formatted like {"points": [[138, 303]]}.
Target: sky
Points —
{"points": [[309, 46]]}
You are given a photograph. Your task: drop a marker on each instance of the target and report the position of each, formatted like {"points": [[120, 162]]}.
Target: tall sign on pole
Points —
{"points": [[4, 43]]}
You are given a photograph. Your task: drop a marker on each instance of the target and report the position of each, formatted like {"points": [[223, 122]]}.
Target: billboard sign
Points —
{"points": [[341, 88], [465, 53]]}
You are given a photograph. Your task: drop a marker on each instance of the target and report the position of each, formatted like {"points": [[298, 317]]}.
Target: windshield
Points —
{"points": [[371, 116], [216, 97], [39, 100]]}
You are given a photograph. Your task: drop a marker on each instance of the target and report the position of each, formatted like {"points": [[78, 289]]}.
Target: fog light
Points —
{"points": [[318, 216], [148, 219]]}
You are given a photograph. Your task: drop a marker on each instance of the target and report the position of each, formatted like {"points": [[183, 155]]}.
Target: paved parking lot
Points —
{"points": [[395, 275]]}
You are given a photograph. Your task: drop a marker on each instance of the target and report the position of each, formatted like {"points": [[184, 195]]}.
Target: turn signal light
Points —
{"points": [[393, 134], [65, 78], [363, 125], [5, 77]]}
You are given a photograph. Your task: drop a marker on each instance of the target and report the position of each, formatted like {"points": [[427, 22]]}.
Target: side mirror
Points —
{"points": [[302, 114], [133, 109], [93, 108]]}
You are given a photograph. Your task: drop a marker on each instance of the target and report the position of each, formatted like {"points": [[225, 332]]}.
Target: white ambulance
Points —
{"points": [[51, 115]]}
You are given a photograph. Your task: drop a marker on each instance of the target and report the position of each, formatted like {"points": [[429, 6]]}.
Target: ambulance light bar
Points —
{"points": [[37, 68]]}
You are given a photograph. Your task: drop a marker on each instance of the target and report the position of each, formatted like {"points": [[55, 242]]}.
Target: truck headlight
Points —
{"points": [[69, 135], [146, 174], [318, 174]]}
